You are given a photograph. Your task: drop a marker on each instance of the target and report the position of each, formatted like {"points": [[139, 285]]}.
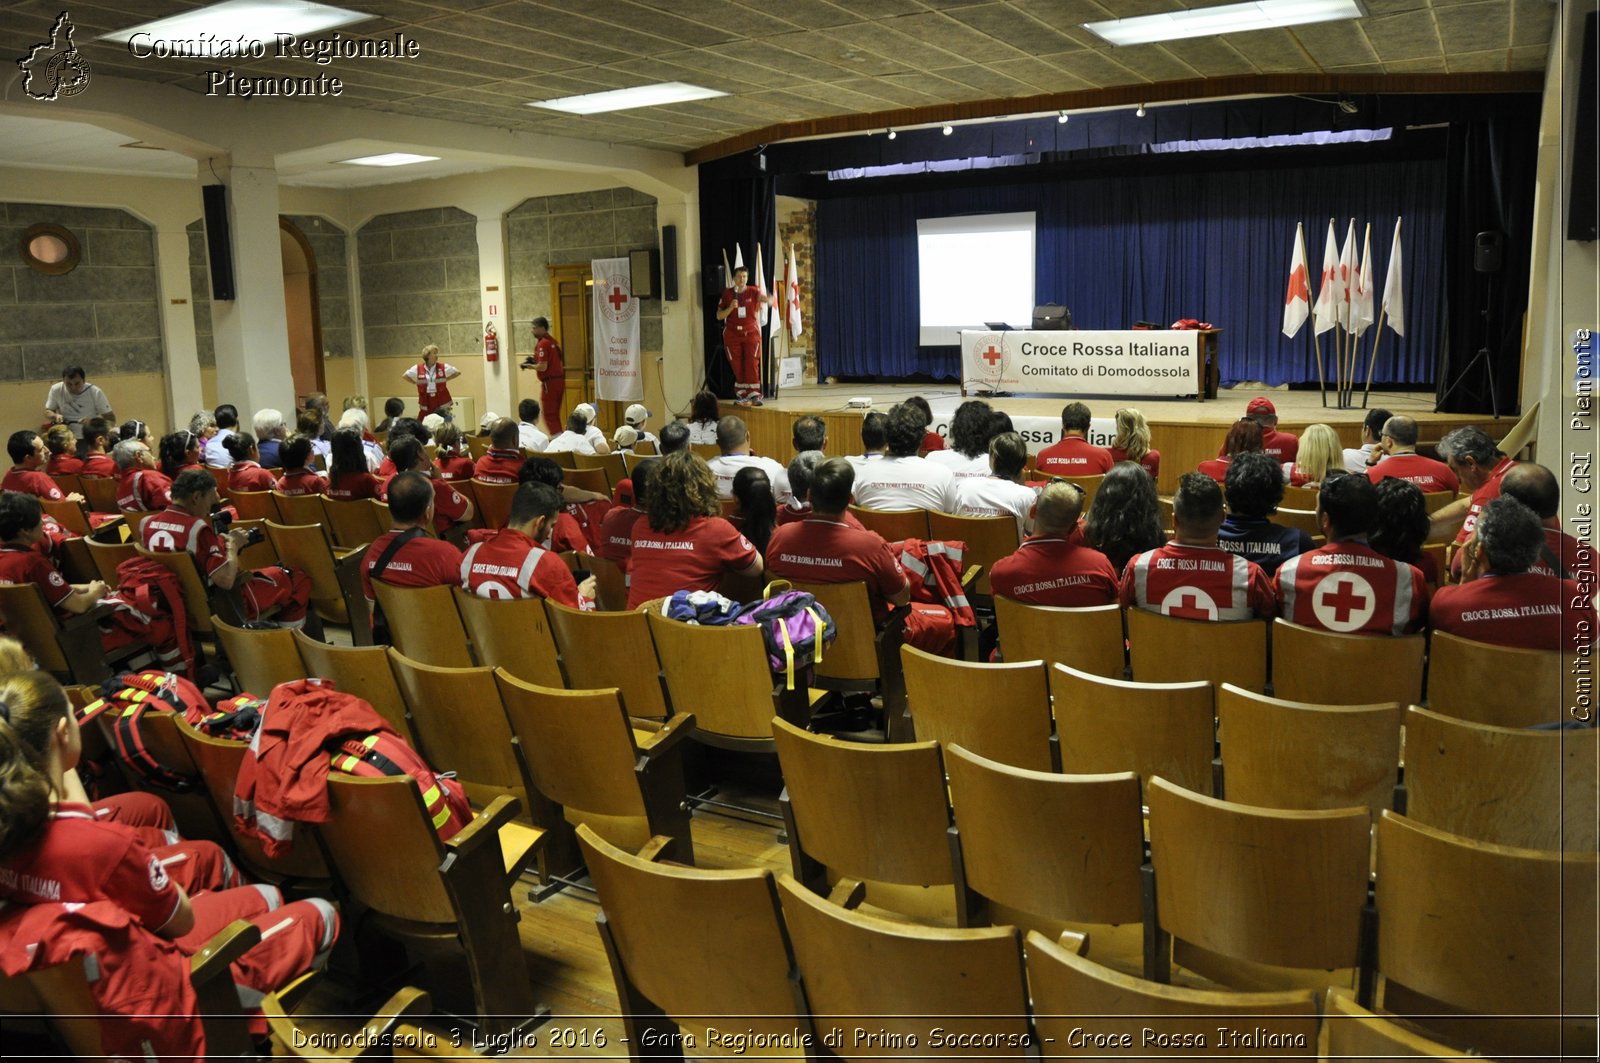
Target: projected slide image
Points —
{"points": [[971, 270]]}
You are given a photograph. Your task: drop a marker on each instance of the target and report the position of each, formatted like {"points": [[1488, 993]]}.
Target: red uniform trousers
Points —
{"points": [[744, 354], [294, 937], [550, 394]]}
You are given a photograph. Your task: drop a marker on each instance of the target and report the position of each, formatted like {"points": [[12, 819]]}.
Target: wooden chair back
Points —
{"points": [[511, 633], [1437, 500], [256, 505], [999, 711], [1502, 785], [1284, 888], [1057, 847], [1166, 649], [1292, 754], [478, 446], [67, 513], [1303, 519], [223, 478], [461, 726], [1350, 1031], [588, 479], [31, 621], [610, 650], [75, 561], [898, 974], [718, 673], [988, 540], [1330, 668], [197, 598], [1089, 485], [353, 524], [578, 745], [567, 459], [610, 583], [361, 670], [307, 547], [1073, 995], [1440, 552], [424, 624], [107, 556], [100, 492], [871, 812], [298, 509], [380, 513], [1089, 639], [494, 502], [1110, 725], [1302, 497], [611, 464], [1499, 685], [705, 451], [261, 657], [894, 524]]}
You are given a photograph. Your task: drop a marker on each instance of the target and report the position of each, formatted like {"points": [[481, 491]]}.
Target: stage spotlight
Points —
{"points": [[948, 129], [1348, 106], [1140, 111], [892, 134], [1062, 118]]}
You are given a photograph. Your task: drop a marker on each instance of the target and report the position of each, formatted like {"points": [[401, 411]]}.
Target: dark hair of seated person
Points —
{"points": [[831, 484], [406, 453], [1253, 485], [410, 494], [541, 470], [296, 452], [532, 501], [674, 437]]}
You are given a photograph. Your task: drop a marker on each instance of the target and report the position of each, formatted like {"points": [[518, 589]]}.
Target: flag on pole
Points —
{"points": [[1327, 296], [1361, 314], [738, 254], [727, 270], [765, 313], [1393, 294], [1347, 270], [792, 295], [1297, 301]]}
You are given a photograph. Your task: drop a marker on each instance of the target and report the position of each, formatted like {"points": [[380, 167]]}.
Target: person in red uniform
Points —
{"points": [[616, 528], [1476, 460], [419, 560], [546, 361], [246, 473], [1537, 488], [1243, 438], [582, 512], [449, 505], [1345, 585], [299, 478], [29, 456], [1192, 576], [21, 529], [185, 525], [1281, 447], [55, 851], [1053, 567], [503, 460], [452, 460], [140, 486], [739, 310], [683, 543], [1501, 600], [63, 447], [97, 437], [349, 480], [510, 563], [1396, 455], [1074, 455], [1132, 442], [431, 377]]}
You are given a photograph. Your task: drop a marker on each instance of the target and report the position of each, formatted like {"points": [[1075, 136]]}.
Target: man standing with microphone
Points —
{"points": [[740, 312]]}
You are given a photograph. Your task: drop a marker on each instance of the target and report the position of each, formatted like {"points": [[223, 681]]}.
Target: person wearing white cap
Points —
{"points": [[581, 437], [635, 417], [593, 434], [623, 439]]}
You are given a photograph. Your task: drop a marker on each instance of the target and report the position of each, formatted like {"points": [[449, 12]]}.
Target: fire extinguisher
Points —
{"points": [[491, 343]]}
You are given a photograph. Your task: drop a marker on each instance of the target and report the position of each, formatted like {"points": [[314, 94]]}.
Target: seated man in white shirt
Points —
{"points": [[874, 439], [576, 438], [733, 439], [529, 435], [968, 452], [901, 480], [216, 453], [1359, 459], [1001, 493]]}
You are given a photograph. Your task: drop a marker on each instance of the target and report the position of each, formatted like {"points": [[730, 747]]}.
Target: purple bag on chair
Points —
{"points": [[795, 626]]}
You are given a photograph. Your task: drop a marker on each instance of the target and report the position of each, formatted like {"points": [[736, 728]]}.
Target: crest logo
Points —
{"points": [[55, 69], [614, 297]]}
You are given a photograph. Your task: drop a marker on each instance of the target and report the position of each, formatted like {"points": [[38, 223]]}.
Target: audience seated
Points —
{"points": [[270, 434], [616, 528], [1193, 577], [1359, 459], [576, 438], [1052, 566], [449, 505], [674, 437], [1126, 517], [392, 408], [349, 479], [405, 555], [317, 403], [452, 459], [1479, 466], [62, 446], [1396, 456], [1243, 438], [636, 417], [1537, 488], [1279, 446], [968, 450], [225, 418], [874, 438], [503, 460], [1074, 455], [810, 432], [683, 543], [1320, 455], [705, 413], [1002, 492], [180, 451], [355, 418], [900, 479], [1402, 526], [246, 473], [309, 423], [931, 440], [755, 513], [529, 435], [93, 449], [733, 440], [511, 563], [22, 562], [28, 459], [1254, 487], [136, 430], [1345, 585], [140, 486], [577, 526], [1132, 442], [299, 478]]}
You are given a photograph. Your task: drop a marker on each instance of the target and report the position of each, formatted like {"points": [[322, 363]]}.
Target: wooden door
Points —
{"points": [[572, 297]]}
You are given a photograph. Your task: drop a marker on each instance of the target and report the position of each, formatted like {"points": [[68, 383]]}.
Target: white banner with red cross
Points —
{"points": [[618, 365], [1134, 362]]}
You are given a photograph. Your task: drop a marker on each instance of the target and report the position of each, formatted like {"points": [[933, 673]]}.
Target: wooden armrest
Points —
{"points": [[229, 943], [294, 994], [848, 893], [90, 616], [898, 615], [669, 734], [970, 576], [408, 1002], [1074, 942], [485, 826], [651, 850]]}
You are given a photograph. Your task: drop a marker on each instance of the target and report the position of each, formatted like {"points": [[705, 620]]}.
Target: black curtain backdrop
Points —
{"points": [[736, 204]]}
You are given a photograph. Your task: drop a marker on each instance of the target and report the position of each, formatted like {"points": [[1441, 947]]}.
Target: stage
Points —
{"points": [[1186, 432]]}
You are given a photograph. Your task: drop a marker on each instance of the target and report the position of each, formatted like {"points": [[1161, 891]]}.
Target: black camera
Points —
{"points": [[222, 520]]}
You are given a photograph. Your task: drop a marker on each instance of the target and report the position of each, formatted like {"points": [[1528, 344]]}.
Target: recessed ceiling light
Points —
{"points": [[394, 158], [1229, 18], [624, 99], [948, 130], [892, 134], [250, 20], [1062, 118], [1140, 111]]}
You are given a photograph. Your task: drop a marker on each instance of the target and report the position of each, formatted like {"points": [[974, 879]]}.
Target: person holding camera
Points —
{"points": [[187, 525]]}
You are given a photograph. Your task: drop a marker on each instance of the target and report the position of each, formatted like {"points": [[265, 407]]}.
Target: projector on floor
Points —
{"points": [[860, 402]]}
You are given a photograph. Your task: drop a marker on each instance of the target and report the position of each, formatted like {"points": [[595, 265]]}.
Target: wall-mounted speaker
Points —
{"points": [[715, 281], [219, 242], [1489, 251], [645, 267], [669, 263]]}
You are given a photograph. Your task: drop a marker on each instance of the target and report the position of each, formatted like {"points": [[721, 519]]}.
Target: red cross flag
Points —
{"points": [[1347, 275], [1327, 308], [792, 298], [1297, 301], [1361, 310], [1393, 296]]}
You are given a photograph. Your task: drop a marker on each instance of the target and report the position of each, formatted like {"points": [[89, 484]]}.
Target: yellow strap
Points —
{"points": [[788, 652], [816, 622], [440, 818], [370, 741], [430, 795]]}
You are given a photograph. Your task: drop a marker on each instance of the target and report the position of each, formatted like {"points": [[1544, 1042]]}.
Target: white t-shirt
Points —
{"points": [[1356, 460], [859, 460], [903, 483], [373, 451], [75, 409], [216, 453], [990, 496], [530, 438], [727, 466], [959, 464], [578, 444], [702, 431]]}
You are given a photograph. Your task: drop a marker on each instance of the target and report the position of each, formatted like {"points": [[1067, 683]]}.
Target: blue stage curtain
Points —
{"points": [[1157, 247]]}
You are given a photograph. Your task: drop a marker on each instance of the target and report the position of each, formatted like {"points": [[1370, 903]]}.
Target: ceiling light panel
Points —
{"points": [[1230, 18], [625, 99], [250, 20]]}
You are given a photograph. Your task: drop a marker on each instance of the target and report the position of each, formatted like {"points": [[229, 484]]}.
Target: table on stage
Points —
{"points": [[1131, 362]]}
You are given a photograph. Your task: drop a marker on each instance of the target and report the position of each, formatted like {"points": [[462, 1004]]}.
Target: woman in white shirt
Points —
{"points": [[1002, 493], [704, 413]]}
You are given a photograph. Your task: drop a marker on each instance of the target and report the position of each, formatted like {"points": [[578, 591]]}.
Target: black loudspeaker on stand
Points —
{"points": [[1488, 257]]}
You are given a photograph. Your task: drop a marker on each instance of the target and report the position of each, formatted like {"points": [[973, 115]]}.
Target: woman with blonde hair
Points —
{"points": [[1321, 455], [430, 376], [1133, 442], [682, 542]]}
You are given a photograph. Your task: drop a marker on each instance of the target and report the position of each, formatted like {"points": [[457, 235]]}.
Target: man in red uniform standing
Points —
{"points": [[511, 563], [1192, 576], [546, 361], [740, 314]]}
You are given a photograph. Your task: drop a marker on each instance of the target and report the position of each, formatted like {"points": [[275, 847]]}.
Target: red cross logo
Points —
{"points": [[1298, 288], [992, 355], [618, 299], [1186, 603], [1343, 601]]}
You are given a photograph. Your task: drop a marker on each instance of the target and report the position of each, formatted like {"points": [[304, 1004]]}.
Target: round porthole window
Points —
{"points": [[49, 248]]}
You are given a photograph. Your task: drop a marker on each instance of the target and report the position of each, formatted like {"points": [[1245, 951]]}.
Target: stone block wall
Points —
{"points": [[105, 315], [328, 244], [419, 283], [799, 230]]}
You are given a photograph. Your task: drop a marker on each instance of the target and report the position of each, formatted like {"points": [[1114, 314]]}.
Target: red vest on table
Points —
{"points": [[1350, 588], [509, 564], [1197, 583]]}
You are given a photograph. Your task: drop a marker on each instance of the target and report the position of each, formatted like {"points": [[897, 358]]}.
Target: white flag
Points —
{"points": [[738, 257], [765, 314], [1347, 275], [1394, 299], [792, 295], [727, 270], [1361, 312], [617, 363], [1297, 300], [1328, 295]]}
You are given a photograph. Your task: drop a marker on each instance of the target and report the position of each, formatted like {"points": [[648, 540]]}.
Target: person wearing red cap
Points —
{"points": [[1280, 446]]}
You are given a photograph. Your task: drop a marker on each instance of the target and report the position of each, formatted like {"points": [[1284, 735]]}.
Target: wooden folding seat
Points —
{"points": [[100, 492], [688, 947], [511, 633], [385, 519], [261, 657], [1350, 1031], [1303, 498], [424, 624], [873, 814], [610, 583], [894, 524], [1303, 519], [1499, 685], [988, 540], [68, 648], [1247, 893], [1088, 639], [604, 650], [419, 889], [1290, 754], [68, 482], [721, 674], [298, 509], [1437, 500], [587, 479], [223, 478], [1080, 1006], [705, 451], [360, 670], [67, 513], [1440, 552], [644, 448], [337, 593], [999, 711], [567, 459], [352, 524], [584, 756], [1167, 649], [107, 556], [387, 1031], [1330, 668], [494, 502], [898, 981], [1089, 485], [1110, 725], [1502, 785], [1038, 849], [1504, 935], [478, 446], [256, 505], [611, 464], [865, 658], [201, 598]]}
